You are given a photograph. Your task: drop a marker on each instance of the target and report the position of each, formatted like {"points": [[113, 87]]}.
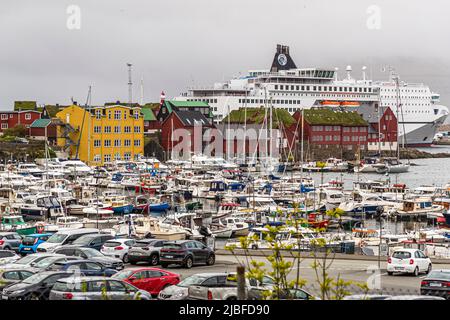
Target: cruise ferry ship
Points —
{"points": [[286, 86]]}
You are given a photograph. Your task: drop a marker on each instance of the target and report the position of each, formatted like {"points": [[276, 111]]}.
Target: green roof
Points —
{"points": [[40, 123], [256, 115], [148, 114], [24, 105], [152, 105], [193, 104], [332, 117]]}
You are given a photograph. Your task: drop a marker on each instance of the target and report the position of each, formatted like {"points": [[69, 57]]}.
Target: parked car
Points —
{"points": [[180, 291], [12, 276], [146, 250], [27, 261], [64, 237], [224, 287], [437, 283], [10, 241], [367, 297], [414, 297], [408, 261], [152, 280], [91, 254], [85, 268], [186, 253], [96, 288], [31, 242], [94, 241], [50, 262], [35, 287], [8, 256], [118, 248]]}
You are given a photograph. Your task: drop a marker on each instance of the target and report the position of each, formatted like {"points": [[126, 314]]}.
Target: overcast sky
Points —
{"points": [[174, 44]]}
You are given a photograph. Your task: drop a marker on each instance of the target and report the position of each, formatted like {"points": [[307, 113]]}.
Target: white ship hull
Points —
{"points": [[288, 87]]}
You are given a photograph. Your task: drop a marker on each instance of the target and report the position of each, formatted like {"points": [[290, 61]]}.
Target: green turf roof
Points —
{"points": [[148, 114], [331, 117], [24, 105], [256, 116]]}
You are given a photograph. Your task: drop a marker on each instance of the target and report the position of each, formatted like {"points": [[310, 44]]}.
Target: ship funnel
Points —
{"points": [[282, 59], [364, 72]]}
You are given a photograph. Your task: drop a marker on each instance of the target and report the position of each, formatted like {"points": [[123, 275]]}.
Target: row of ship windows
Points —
{"points": [[406, 97], [338, 138], [117, 157], [406, 90], [117, 129], [322, 88], [117, 143]]}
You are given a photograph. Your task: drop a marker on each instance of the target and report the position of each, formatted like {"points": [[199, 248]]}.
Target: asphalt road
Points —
{"points": [[359, 271]]}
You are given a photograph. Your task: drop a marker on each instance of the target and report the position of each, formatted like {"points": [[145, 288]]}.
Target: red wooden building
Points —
{"points": [[325, 128], [187, 129], [10, 119], [383, 134]]}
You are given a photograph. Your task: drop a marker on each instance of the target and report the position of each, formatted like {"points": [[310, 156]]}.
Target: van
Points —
{"points": [[64, 236]]}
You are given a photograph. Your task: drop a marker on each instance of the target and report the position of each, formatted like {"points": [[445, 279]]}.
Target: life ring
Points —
{"points": [[40, 227]]}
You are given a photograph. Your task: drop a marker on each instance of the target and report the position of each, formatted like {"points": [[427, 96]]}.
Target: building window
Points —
{"points": [[109, 115], [4, 126], [127, 129], [107, 143], [27, 116], [136, 114], [127, 142], [107, 158], [137, 143], [117, 143], [137, 129], [117, 129], [98, 115], [97, 143], [108, 129], [336, 138], [97, 129], [127, 156], [117, 115], [97, 158], [117, 156], [4, 117], [137, 156]]}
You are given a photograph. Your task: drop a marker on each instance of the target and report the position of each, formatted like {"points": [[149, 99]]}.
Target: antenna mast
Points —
{"points": [[130, 85]]}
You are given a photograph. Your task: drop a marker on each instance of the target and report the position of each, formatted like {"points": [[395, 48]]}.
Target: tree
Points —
{"points": [[17, 131]]}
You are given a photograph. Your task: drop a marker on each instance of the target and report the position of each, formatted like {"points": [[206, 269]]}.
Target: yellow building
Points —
{"points": [[102, 134]]}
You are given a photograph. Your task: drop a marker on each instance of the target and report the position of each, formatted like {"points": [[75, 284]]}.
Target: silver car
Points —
{"points": [[27, 261], [10, 241], [146, 250], [180, 291], [96, 288]]}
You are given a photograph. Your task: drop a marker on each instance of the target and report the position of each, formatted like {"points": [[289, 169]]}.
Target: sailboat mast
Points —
{"points": [[245, 127], [398, 111]]}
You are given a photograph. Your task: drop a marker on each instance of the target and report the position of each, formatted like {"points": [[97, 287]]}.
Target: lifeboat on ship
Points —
{"points": [[331, 104], [350, 104]]}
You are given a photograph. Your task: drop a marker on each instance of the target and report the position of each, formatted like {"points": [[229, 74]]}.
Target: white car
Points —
{"points": [[118, 248], [408, 261], [8, 256]]}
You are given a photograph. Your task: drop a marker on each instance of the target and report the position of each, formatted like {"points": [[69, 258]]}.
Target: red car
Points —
{"points": [[152, 280]]}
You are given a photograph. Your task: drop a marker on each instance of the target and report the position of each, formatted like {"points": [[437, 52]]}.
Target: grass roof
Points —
{"points": [[24, 105], [257, 115], [333, 117]]}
